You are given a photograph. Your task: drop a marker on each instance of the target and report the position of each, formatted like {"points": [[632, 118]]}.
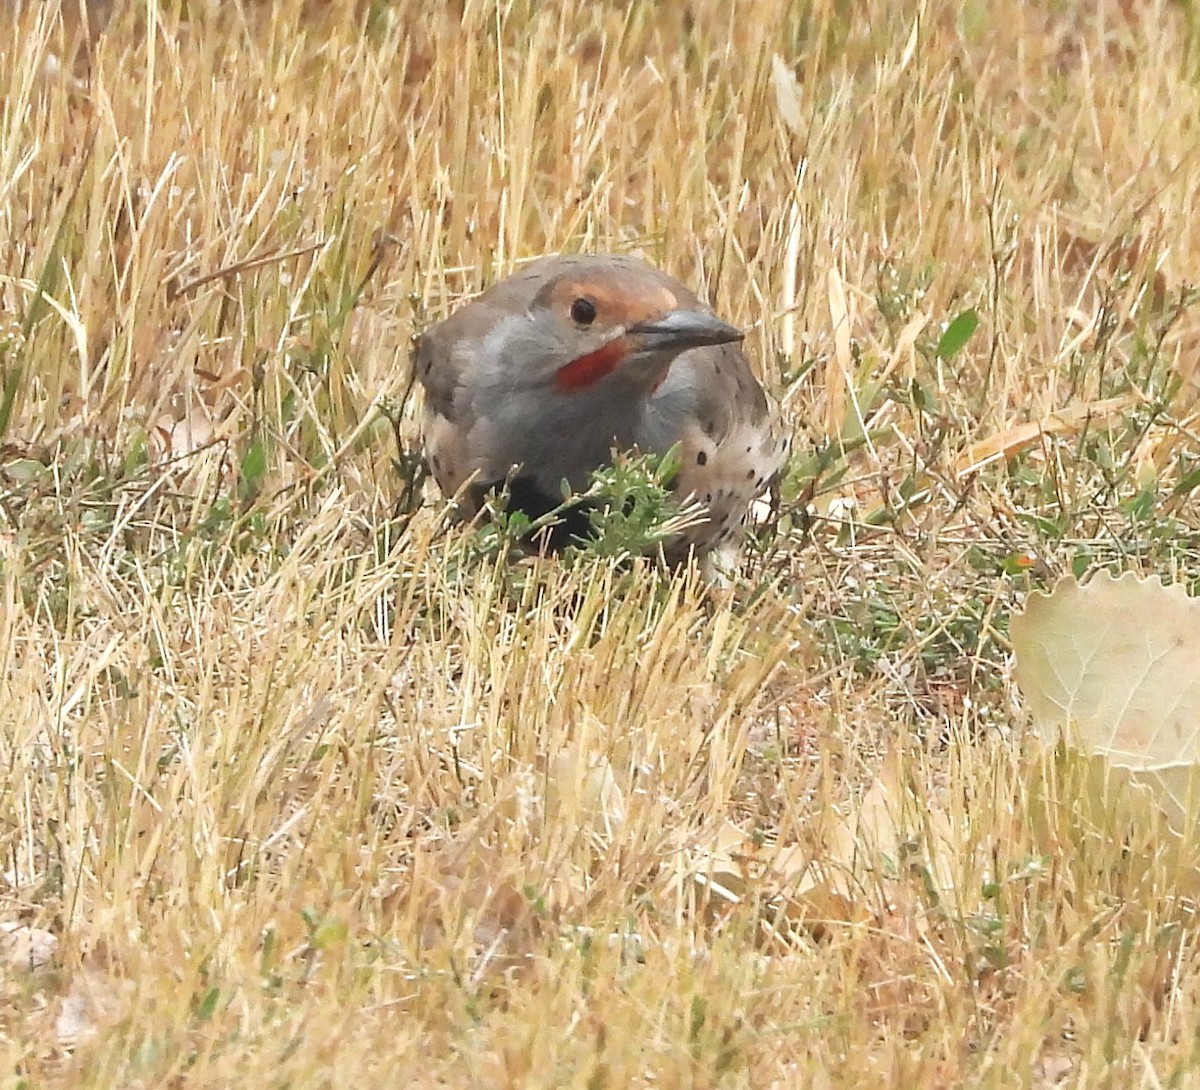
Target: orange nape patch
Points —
{"points": [[591, 368]]}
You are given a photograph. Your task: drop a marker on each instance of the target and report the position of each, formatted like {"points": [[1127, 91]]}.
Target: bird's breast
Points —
{"points": [[554, 436]]}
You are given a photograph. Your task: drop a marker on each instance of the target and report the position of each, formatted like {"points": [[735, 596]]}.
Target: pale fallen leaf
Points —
{"points": [[1053, 1067], [816, 887], [1012, 441], [75, 1021], [1112, 664], [461, 900], [582, 788], [93, 1000], [858, 874], [28, 948], [787, 95], [177, 438], [714, 864]]}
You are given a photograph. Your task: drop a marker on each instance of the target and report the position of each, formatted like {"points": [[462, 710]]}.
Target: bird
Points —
{"points": [[547, 374]]}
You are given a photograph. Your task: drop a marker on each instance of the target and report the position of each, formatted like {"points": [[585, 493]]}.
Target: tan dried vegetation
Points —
{"points": [[304, 787]]}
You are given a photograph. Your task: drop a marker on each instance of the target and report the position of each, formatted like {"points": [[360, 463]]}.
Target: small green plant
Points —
{"points": [[627, 510], [630, 508]]}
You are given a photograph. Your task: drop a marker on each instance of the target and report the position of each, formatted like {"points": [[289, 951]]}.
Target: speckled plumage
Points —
{"points": [[512, 379]]}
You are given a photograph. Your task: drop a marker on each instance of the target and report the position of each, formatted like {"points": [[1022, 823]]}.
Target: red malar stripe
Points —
{"points": [[581, 373]]}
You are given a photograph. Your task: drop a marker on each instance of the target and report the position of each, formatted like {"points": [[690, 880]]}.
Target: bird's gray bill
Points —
{"points": [[682, 329]]}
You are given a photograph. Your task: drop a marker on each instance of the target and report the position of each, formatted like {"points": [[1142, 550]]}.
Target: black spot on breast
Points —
{"points": [[750, 474], [702, 458]]}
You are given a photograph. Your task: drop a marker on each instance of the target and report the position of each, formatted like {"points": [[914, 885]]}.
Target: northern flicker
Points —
{"points": [[543, 376]]}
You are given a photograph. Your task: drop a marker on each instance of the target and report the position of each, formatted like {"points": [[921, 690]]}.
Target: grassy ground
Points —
{"points": [[310, 789]]}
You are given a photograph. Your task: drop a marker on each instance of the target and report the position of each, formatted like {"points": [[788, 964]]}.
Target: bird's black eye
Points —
{"points": [[583, 311]]}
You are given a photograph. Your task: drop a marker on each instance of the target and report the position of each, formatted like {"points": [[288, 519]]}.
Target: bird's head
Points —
{"points": [[617, 328]]}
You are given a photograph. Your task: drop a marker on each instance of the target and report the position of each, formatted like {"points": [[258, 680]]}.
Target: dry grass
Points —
{"points": [[312, 790]]}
